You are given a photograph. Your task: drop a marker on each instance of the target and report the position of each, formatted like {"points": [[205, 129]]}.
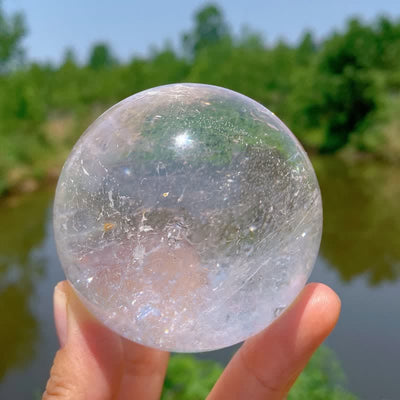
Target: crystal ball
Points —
{"points": [[187, 217]]}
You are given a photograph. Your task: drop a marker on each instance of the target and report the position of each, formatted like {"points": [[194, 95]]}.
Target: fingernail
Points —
{"points": [[60, 313]]}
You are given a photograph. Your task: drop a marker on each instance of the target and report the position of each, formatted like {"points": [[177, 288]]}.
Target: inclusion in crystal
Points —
{"points": [[187, 217]]}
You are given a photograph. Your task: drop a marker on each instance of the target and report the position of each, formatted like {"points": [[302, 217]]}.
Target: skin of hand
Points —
{"points": [[95, 363]]}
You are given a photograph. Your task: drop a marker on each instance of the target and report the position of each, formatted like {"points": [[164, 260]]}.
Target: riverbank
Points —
{"points": [[44, 171], [339, 94]]}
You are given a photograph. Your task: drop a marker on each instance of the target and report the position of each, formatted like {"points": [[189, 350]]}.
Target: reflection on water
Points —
{"points": [[361, 219], [22, 231], [20, 333], [360, 243], [28, 271]]}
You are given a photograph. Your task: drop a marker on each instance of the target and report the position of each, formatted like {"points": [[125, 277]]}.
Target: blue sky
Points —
{"points": [[131, 26]]}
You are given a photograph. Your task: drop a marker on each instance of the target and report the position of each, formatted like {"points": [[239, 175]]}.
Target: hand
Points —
{"points": [[95, 363]]}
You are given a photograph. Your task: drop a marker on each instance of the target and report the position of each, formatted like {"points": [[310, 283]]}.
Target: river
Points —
{"points": [[359, 258]]}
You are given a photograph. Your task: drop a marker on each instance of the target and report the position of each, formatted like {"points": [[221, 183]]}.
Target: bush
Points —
{"points": [[191, 379]]}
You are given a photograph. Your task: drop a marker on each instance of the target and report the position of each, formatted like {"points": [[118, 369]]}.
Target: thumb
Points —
{"points": [[89, 363]]}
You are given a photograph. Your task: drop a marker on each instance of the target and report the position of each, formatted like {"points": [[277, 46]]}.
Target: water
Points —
{"points": [[360, 259]]}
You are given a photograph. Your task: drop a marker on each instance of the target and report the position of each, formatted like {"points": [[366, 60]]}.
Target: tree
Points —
{"points": [[101, 57], [336, 91], [210, 28], [347, 86], [306, 49], [69, 57], [12, 31]]}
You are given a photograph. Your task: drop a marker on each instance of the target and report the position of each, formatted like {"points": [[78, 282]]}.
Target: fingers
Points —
{"points": [[94, 362], [60, 312], [267, 365], [89, 365], [144, 372]]}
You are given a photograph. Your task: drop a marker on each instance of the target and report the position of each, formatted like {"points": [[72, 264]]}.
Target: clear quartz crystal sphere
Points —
{"points": [[187, 217]]}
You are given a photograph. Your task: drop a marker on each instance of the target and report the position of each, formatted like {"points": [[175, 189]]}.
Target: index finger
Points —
{"points": [[95, 362], [267, 365]]}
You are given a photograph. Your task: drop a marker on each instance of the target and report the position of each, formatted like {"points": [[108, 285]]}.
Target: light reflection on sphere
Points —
{"points": [[187, 217]]}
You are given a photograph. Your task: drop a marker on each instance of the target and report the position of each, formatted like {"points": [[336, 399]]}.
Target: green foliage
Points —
{"points": [[100, 57], [322, 379], [340, 92], [210, 28], [345, 83], [191, 379], [12, 31]]}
